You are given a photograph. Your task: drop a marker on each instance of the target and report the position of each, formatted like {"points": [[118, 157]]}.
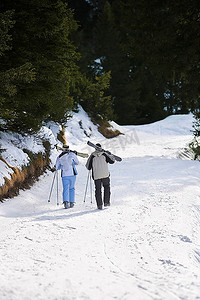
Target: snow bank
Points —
{"points": [[168, 137], [172, 125], [78, 129]]}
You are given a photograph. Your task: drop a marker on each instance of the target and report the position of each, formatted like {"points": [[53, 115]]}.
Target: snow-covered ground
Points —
{"points": [[146, 245]]}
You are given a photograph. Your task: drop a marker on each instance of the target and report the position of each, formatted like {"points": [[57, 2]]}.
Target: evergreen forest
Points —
{"points": [[132, 61]]}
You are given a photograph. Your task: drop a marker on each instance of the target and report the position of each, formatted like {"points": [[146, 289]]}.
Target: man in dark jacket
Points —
{"points": [[98, 162]]}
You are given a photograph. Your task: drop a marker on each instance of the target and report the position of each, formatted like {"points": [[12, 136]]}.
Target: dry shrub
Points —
{"points": [[1, 158], [106, 129], [4, 189], [39, 163], [23, 179], [18, 176], [61, 136], [11, 186], [31, 170]]}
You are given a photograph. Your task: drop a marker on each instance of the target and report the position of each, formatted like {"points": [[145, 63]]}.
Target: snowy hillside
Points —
{"points": [[79, 128], [146, 245]]}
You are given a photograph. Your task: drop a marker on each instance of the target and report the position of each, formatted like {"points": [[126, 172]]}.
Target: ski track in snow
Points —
{"points": [[145, 246]]}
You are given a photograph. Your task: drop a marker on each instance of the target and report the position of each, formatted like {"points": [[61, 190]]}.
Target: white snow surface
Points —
{"points": [[146, 245]]}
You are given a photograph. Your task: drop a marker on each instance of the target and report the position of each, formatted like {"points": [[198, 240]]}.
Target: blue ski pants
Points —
{"points": [[68, 188]]}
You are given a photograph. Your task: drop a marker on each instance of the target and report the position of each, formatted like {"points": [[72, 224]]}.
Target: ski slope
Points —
{"points": [[145, 246]]}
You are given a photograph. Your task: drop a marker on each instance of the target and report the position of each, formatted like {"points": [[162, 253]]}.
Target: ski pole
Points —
{"points": [[57, 190], [52, 186], [91, 187], [86, 186]]}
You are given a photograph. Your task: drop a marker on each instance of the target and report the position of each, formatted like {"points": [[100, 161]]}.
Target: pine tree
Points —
{"points": [[165, 34], [92, 88], [129, 77], [6, 23], [41, 37], [10, 78]]}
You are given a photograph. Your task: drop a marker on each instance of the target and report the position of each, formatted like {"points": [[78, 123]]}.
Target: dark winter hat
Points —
{"points": [[99, 145]]}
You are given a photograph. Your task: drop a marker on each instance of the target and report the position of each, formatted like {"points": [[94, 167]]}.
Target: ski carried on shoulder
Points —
{"points": [[102, 150], [64, 149]]}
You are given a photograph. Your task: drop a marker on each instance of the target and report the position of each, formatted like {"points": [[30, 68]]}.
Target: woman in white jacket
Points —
{"points": [[66, 161]]}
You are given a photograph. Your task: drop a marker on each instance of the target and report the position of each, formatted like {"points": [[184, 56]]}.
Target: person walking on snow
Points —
{"points": [[98, 162], [66, 161]]}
